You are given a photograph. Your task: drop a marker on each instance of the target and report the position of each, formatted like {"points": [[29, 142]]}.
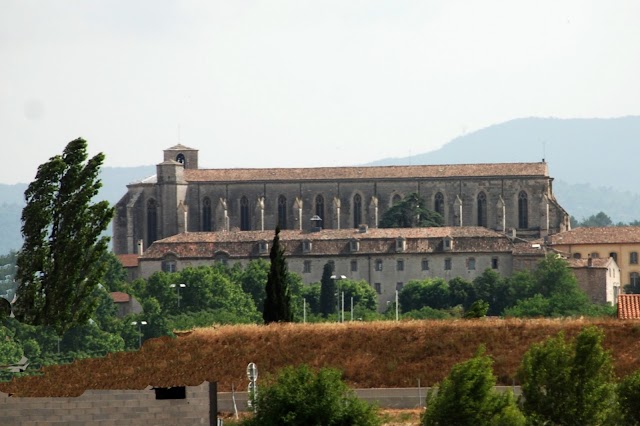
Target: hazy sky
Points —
{"points": [[300, 83]]}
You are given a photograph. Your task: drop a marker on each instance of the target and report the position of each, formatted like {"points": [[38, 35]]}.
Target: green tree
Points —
{"points": [[301, 397], [600, 219], [568, 384], [10, 350], [628, 392], [364, 296], [467, 397], [494, 289], [327, 291], [253, 278], [62, 258], [277, 305], [553, 292], [433, 293], [410, 212]]}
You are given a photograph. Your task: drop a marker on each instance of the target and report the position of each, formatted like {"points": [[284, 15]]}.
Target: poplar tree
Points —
{"points": [[62, 259], [277, 304]]}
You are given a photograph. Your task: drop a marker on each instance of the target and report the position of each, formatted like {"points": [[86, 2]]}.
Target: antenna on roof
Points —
{"points": [[179, 133], [544, 150]]}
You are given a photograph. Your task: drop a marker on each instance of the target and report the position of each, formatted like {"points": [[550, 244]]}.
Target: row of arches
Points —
{"points": [[319, 203]]}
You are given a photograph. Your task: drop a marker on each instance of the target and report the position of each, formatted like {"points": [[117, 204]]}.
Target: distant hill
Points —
{"points": [[598, 152], [114, 182]]}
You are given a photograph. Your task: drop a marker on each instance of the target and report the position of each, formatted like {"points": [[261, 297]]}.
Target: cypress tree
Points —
{"points": [[277, 304], [327, 292]]}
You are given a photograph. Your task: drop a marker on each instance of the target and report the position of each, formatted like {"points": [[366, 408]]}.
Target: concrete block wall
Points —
{"points": [[109, 407]]}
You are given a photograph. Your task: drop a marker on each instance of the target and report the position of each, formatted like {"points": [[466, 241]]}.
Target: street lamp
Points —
{"points": [[178, 287], [139, 324], [338, 278]]}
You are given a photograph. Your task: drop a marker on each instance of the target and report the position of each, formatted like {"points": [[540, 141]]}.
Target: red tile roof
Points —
{"points": [[598, 235], [329, 241], [120, 297], [629, 306], [128, 260], [380, 172], [598, 262]]}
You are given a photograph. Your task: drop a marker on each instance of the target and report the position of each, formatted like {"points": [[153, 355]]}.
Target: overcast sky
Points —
{"points": [[300, 83]]}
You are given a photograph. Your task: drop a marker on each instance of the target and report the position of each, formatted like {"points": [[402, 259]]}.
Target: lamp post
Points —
{"points": [[338, 278], [139, 324], [178, 287]]}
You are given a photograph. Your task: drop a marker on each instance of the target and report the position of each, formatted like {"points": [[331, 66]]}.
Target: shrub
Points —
{"points": [[301, 397], [467, 397]]}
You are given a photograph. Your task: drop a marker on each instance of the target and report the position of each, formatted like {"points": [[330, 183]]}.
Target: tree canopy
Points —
{"points": [[62, 259], [410, 212]]}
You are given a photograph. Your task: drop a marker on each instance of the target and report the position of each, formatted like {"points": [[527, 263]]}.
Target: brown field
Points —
{"points": [[378, 354]]}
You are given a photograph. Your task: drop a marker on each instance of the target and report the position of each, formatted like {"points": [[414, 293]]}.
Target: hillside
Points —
{"points": [[600, 152], [378, 354]]}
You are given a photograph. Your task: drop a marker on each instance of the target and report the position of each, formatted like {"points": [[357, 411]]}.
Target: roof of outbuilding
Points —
{"points": [[378, 172], [597, 235], [629, 306], [120, 297], [128, 260]]}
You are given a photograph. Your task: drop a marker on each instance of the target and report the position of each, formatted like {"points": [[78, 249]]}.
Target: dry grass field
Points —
{"points": [[378, 354]]}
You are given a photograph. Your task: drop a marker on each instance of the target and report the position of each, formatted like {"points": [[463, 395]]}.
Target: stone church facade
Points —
{"points": [[515, 198]]}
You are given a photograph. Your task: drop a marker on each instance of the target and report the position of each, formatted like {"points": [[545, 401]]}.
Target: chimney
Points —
{"points": [[140, 247]]}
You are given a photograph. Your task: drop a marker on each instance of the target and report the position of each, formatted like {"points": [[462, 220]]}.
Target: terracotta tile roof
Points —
{"points": [[128, 260], [598, 235], [629, 306], [120, 297], [180, 147], [599, 262], [329, 242], [380, 172]]}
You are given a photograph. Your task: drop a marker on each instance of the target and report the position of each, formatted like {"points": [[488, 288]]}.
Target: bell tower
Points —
{"points": [[184, 155]]}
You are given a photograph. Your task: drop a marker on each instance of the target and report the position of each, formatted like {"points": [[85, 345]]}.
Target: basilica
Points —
{"points": [[514, 199]]}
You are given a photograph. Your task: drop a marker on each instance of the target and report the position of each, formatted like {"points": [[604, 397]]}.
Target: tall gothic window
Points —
{"points": [[282, 212], [482, 209], [320, 207], [523, 210], [396, 199], [244, 214], [152, 221], [438, 205], [206, 215], [357, 210]]}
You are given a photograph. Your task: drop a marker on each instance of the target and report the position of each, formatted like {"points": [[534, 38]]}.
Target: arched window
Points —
{"points": [[180, 158], [282, 212], [320, 207], [438, 205], [152, 221], [523, 210], [244, 214], [396, 199], [206, 215], [577, 256], [357, 210], [482, 209]]}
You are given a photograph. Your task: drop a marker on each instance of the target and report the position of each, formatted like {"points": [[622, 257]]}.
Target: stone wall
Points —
{"points": [[110, 407]]}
